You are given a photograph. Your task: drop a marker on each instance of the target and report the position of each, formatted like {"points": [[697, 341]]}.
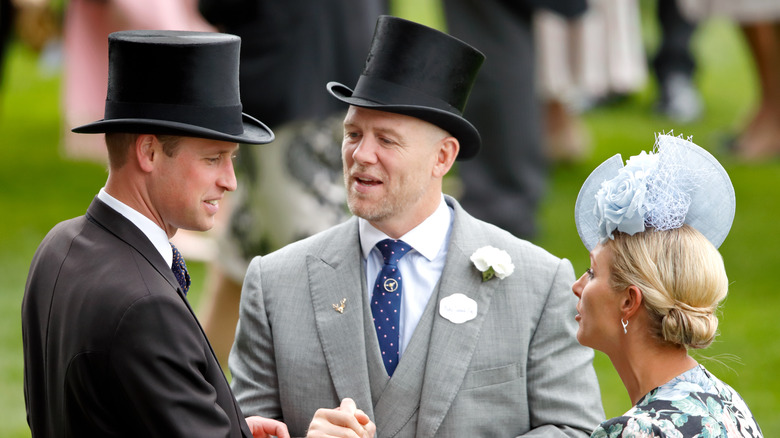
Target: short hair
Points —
{"points": [[682, 278], [118, 145]]}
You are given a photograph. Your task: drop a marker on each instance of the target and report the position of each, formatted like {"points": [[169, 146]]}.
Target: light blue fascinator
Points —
{"points": [[678, 183]]}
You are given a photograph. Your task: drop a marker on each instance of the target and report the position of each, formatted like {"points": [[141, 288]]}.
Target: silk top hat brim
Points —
{"points": [[420, 72], [177, 83], [252, 131]]}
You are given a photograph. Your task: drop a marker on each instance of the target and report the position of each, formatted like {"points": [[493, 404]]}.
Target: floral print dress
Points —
{"points": [[693, 404]]}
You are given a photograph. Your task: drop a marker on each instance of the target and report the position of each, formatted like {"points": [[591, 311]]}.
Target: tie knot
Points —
{"points": [[392, 250]]}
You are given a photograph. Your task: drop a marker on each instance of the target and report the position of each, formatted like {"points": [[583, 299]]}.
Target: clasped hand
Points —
{"points": [[344, 421], [266, 427]]}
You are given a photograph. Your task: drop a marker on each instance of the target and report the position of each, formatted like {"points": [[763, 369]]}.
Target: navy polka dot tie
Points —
{"points": [[386, 300], [179, 269]]}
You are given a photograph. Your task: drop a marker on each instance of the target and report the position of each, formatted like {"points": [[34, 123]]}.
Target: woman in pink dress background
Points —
{"points": [[87, 24]]}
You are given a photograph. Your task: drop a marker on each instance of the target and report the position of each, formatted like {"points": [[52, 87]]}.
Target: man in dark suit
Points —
{"points": [[111, 345]]}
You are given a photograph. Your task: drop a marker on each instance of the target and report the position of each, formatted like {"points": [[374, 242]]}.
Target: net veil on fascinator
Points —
{"points": [[678, 183]]}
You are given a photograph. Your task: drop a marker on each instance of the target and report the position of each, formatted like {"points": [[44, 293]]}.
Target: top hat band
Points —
{"points": [[225, 119], [389, 93]]}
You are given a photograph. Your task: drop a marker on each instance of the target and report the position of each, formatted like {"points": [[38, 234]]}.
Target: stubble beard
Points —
{"points": [[391, 204], [363, 206]]}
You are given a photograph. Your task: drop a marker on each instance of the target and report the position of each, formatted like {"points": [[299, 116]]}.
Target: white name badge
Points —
{"points": [[458, 308]]}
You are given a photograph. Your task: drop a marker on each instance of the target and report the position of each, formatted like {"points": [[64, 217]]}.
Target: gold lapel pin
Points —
{"points": [[340, 307]]}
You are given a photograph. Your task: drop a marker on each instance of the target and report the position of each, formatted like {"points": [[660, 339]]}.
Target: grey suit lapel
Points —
{"points": [[452, 345], [336, 274]]}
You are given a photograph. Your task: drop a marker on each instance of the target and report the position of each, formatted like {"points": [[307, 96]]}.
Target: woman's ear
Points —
{"points": [[632, 301]]}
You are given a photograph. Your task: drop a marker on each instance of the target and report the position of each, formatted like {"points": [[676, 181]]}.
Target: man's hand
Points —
{"points": [[266, 427], [344, 421]]}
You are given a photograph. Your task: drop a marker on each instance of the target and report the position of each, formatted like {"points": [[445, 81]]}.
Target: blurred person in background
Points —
{"points": [[559, 72], [583, 62], [505, 182], [759, 20], [7, 14], [37, 25], [654, 285], [674, 65], [86, 26], [111, 344], [295, 189]]}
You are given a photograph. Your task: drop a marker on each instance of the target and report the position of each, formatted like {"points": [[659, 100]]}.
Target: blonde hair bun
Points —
{"points": [[688, 326]]}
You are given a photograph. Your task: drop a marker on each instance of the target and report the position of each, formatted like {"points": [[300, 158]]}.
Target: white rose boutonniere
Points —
{"points": [[493, 262], [621, 201]]}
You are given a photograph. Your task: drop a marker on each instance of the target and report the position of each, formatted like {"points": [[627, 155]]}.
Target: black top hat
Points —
{"points": [[417, 71], [177, 83]]}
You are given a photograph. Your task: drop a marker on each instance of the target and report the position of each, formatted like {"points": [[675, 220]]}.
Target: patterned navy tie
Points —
{"points": [[386, 300], [179, 269]]}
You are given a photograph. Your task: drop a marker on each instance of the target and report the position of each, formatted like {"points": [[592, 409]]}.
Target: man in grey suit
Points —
{"points": [[324, 321]]}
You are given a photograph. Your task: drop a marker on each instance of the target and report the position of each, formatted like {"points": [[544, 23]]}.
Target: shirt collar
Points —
{"points": [[151, 230], [426, 238]]}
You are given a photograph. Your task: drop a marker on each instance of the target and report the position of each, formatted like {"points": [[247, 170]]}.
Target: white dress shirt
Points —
{"points": [[421, 268], [151, 230]]}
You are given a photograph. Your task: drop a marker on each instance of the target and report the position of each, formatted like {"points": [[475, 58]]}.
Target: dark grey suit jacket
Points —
{"points": [[111, 346], [516, 369]]}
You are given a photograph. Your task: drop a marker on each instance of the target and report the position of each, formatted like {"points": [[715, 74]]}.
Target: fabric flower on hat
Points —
{"points": [[492, 261], [621, 203], [678, 183]]}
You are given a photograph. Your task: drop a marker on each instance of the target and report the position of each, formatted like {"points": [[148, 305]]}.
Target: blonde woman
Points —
{"points": [[653, 287]]}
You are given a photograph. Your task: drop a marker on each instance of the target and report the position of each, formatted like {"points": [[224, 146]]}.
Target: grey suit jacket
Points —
{"points": [[516, 369]]}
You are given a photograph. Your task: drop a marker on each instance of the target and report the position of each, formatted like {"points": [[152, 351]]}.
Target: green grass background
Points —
{"points": [[38, 188]]}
